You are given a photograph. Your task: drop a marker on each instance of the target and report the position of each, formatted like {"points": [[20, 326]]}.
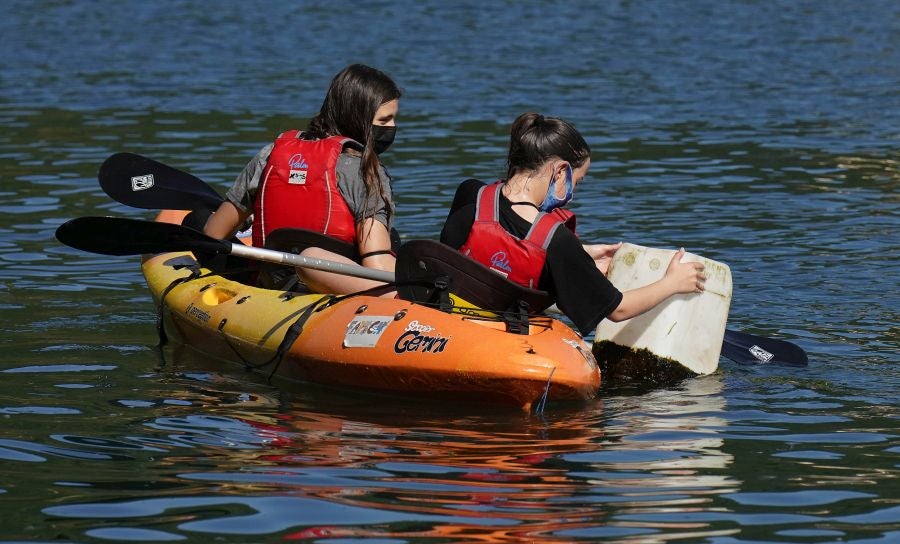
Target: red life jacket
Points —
{"points": [[298, 189], [519, 260]]}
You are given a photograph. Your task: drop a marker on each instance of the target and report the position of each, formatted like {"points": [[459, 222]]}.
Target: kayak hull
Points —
{"points": [[378, 344]]}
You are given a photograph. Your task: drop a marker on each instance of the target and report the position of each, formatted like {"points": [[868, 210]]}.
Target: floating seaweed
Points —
{"points": [[622, 365]]}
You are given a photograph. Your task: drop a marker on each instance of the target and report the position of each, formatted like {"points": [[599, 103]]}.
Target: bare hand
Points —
{"points": [[602, 254], [685, 277]]}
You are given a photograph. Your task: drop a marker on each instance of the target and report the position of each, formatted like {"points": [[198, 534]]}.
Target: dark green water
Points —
{"points": [[761, 134]]}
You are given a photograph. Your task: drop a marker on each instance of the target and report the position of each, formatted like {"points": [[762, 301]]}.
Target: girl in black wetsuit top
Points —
{"points": [[547, 159]]}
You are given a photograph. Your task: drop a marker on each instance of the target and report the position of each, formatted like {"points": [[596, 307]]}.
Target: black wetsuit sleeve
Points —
{"points": [[466, 193], [582, 292], [462, 214]]}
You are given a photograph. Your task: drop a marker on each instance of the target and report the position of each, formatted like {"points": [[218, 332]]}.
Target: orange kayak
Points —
{"points": [[385, 345]]}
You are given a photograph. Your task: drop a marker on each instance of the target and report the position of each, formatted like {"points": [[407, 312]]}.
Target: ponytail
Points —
{"points": [[535, 138]]}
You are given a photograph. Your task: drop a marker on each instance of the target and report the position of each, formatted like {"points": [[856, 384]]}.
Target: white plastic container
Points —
{"points": [[687, 328]]}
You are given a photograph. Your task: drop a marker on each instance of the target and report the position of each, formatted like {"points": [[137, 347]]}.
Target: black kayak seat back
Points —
{"points": [[290, 240], [294, 240], [423, 264]]}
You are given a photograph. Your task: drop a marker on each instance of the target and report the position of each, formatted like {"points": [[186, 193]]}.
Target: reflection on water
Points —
{"points": [[660, 467], [224, 454], [359, 470]]}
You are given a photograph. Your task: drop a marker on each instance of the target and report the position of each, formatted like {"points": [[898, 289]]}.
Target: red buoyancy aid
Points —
{"points": [[298, 189], [519, 260]]}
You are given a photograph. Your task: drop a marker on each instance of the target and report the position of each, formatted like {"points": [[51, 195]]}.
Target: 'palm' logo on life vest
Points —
{"points": [[298, 171], [298, 162], [500, 261]]}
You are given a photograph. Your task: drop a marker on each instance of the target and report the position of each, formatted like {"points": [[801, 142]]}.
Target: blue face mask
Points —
{"points": [[550, 202]]}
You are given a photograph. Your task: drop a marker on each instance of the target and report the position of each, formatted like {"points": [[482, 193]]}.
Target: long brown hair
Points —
{"points": [[535, 138], [353, 97]]}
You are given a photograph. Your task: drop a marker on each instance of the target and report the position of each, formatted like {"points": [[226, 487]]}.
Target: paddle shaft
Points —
{"points": [[278, 257]]}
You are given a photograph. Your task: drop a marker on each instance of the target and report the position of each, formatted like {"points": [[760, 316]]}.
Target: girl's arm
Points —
{"points": [[680, 278], [374, 237], [375, 245], [225, 222]]}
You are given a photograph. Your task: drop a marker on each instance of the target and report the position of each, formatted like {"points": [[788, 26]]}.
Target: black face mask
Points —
{"points": [[382, 137]]}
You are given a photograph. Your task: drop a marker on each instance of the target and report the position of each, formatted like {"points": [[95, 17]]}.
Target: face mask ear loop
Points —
{"points": [[550, 202], [568, 196]]}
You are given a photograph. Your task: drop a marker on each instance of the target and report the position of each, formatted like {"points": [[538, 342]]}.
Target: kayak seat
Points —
{"points": [[428, 272], [296, 240]]}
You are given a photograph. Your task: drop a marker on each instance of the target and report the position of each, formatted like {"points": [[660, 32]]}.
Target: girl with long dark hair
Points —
{"points": [[327, 179]]}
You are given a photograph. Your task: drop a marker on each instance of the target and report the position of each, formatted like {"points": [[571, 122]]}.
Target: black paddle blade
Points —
{"points": [[144, 183], [119, 236], [748, 349]]}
